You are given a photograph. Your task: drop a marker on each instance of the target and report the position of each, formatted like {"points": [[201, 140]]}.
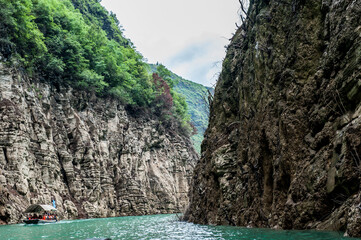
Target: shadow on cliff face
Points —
{"points": [[290, 83]]}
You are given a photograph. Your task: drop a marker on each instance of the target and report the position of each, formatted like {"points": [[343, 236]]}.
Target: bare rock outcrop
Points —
{"points": [[283, 148], [95, 158]]}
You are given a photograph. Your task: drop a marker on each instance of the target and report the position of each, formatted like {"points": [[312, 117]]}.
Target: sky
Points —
{"points": [[187, 36]]}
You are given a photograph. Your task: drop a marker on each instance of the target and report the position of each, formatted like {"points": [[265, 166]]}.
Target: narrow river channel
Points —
{"points": [[156, 227]]}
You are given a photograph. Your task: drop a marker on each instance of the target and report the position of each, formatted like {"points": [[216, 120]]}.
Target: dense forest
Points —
{"points": [[78, 43]]}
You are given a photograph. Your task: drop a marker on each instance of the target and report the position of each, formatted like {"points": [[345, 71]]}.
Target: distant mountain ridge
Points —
{"points": [[196, 97]]}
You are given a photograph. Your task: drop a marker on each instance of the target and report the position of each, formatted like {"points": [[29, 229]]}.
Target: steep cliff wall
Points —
{"points": [[90, 154], [284, 143]]}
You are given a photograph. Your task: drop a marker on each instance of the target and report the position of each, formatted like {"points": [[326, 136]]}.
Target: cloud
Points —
{"points": [[191, 52], [187, 36], [199, 62]]}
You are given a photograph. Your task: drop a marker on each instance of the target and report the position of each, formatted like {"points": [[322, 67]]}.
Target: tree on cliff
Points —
{"points": [[163, 100], [82, 47], [178, 108]]}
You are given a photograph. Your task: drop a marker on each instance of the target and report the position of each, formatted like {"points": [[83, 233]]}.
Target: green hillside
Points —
{"points": [[196, 96]]}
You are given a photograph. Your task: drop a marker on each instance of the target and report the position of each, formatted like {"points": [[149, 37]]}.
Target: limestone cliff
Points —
{"points": [[284, 142], [93, 156]]}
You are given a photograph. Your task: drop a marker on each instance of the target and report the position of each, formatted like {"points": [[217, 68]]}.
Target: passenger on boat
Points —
{"points": [[31, 217]]}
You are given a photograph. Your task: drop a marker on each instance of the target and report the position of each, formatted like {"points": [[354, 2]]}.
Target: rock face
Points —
{"points": [[90, 154], [283, 146]]}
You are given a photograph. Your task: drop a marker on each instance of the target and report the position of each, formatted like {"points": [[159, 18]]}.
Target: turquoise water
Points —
{"points": [[156, 227]]}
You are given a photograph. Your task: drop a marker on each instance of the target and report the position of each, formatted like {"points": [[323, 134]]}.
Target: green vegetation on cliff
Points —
{"points": [[78, 43], [176, 100], [196, 98], [83, 47]]}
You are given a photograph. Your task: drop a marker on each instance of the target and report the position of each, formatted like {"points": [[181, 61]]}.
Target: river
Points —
{"points": [[155, 227]]}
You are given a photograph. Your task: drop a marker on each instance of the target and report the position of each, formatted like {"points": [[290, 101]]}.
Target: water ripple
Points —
{"points": [[156, 227]]}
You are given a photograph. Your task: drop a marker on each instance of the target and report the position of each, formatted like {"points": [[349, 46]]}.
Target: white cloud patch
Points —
{"points": [[199, 61], [187, 36]]}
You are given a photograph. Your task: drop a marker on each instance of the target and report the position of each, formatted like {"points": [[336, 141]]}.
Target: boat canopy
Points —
{"points": [[35, 208]]}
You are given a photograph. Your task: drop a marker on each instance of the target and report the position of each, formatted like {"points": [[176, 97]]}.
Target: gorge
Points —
{"points": [[84, 120]]}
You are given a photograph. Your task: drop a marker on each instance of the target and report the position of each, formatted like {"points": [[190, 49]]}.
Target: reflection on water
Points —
{"points": [[156, 227]]}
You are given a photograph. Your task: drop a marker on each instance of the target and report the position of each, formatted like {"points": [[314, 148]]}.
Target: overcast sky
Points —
{"points": [[187, 36]]}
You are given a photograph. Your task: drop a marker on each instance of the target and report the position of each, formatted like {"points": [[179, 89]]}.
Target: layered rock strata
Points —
{"points": [[94, 157], [283, 148]]}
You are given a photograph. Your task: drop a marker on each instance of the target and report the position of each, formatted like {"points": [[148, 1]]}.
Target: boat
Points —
{"points": [[36, 221], [38, 213]]}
